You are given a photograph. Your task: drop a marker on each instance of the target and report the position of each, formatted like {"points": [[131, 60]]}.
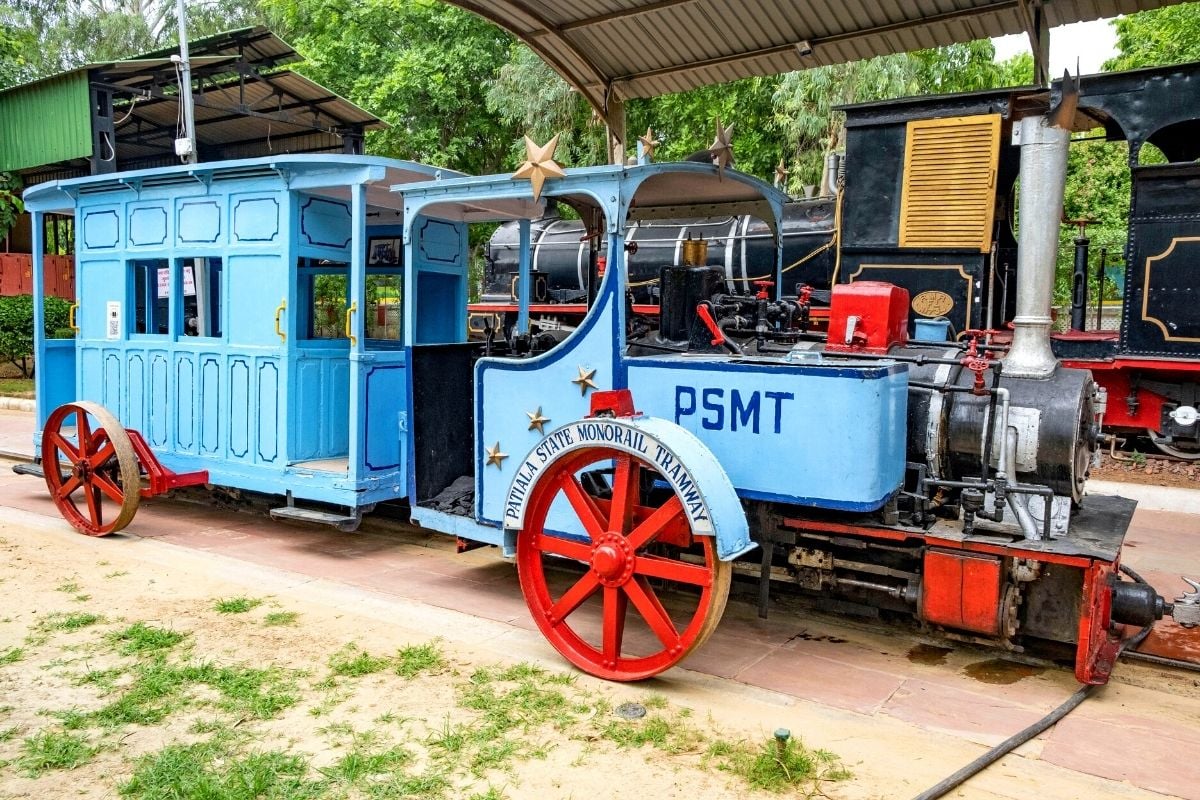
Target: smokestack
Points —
{"points": [[1043, 179]]}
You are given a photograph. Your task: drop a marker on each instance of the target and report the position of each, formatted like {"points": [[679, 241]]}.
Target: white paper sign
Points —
{"points": [[164, 282], [112, 320]]}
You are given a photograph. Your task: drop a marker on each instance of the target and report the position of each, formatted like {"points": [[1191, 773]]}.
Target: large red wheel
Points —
{"points": [[90, 467], [631, 547]]}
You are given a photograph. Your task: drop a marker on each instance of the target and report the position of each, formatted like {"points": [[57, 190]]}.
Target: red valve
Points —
{"points": [[978, 364], [710, 323], [762, 289]]}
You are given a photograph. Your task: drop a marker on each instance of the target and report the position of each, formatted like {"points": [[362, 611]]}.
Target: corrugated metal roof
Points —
{"points": [[644, 48], [29, 137]]}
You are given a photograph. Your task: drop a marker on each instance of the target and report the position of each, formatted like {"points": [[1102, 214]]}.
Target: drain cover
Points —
{"points": [[630, 711]]}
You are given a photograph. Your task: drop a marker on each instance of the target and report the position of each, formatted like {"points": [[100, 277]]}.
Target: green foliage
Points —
{"points": [[236, 605], [53, 750], [11, 205], [140, 638], [777, 769], [68, 622], [423, 66], [351, 662], [211, 770], [11, 656], [418, 658], [16, 326], [280, 618], [1168, 35]]}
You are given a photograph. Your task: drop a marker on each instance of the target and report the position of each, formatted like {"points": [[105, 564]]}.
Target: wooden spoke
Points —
{"points": [[647, 603], [584, 506], [672, 570], [625, 486], [666, 514], [615, 604], [574, 597], [567, 548]]}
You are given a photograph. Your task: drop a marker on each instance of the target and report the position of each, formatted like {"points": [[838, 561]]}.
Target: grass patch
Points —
{"points": [[140, 638], [776, 769], [68, 622], [669, 735], [81, 598], [210, 770], [53, 750], [16, 387], [280, 618], [120, 573], [160, 688], [69, 587], [418, 658], [236, 605], [11, 656], [350, 662], [362, 763]]}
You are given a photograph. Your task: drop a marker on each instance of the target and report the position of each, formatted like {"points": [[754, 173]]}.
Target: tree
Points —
{"points": [[422, 66], [1164, 36]]}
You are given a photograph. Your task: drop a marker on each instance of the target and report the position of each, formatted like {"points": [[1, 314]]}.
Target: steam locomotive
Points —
{"points": [[889, 222]]}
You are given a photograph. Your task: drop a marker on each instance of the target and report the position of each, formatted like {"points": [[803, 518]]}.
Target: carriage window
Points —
{"points": [[201, 296], [324, 295], [151, 295], [383, 306]]}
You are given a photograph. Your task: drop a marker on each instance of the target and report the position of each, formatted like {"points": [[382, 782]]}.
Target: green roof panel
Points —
{"points": [[45, 122]]}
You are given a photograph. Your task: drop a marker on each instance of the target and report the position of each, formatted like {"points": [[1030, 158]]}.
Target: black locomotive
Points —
{"points": [[927, 201]]}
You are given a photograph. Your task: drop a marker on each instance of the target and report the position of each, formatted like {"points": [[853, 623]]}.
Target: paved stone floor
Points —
{"points": [[871, 670]]}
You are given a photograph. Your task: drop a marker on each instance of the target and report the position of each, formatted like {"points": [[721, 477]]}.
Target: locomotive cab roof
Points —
{"points": [[669, 190]]}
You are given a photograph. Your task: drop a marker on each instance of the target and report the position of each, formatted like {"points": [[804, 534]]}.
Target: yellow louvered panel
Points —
{"points": [[949, 194]]}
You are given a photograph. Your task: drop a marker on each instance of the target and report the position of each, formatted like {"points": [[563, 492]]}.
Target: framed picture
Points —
{"points": [[384, 251]]}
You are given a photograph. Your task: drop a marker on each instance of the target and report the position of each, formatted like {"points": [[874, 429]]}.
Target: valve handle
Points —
{"points": [[707, 318]]}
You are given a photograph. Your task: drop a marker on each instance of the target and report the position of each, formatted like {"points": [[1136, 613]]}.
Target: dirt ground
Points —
{"points": [[1149, 468], [135, 668]]}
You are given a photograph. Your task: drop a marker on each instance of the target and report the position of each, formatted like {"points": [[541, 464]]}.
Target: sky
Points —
{"points": [[1090, 42]]}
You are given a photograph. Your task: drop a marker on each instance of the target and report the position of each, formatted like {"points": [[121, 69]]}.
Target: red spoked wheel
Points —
{"points": [[91, 469], [631, 547]]}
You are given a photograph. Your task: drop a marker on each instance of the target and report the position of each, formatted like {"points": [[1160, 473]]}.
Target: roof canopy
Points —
{"points": [[245, 106], [620, 49]]}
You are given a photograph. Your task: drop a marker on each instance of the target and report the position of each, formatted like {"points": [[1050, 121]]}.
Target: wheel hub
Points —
{"points": [[612, 559], [81, 469]]}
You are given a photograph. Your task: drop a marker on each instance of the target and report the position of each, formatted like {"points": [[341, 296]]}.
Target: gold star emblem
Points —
{"points": [[536, 420], [648, 144], [781, 173], [494, 456], [539, 165], [585, 380], [722, 148]]}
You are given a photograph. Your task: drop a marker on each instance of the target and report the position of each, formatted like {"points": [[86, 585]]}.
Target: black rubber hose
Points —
{"points": [[1007, 746], [1045, 723]]}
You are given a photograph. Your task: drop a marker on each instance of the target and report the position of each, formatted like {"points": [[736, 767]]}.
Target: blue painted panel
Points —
{"points": [[199, 221], [185, 402], [98, 282], [210, 404], [439, 242], [337, 434], [135, 400], [306, 436], [437, 308], [257, 284], [57, 365], [111, 393], [159, 405], [240, 417], [148, 225], [324, 223], [833, 433], [383, 401], [101, 229], [268, 410], [255, 219]]}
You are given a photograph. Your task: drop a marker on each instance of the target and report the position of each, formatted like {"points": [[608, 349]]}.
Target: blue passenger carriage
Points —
{"points": [[298, 327]]}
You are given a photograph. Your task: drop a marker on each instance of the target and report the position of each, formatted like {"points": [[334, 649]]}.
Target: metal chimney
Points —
{"points": [[1043, 179]]}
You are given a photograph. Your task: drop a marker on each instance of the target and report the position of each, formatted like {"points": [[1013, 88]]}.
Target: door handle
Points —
{"points": [[279, 313], [350, 311], [71, 317]]}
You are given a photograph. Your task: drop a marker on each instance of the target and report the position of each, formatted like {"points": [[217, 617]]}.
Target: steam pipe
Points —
{"points": [[1043, 180]]}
